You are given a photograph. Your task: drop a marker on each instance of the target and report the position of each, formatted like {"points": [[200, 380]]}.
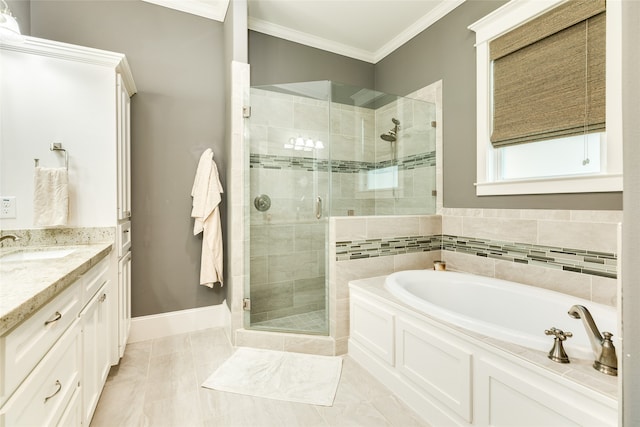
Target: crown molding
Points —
{"points": [[373, 57], [212, 9], [66, 51], [417, 27], [307, 39]]}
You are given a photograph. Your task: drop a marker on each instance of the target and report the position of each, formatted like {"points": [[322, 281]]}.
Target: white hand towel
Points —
{"points": [[51, 197], [206, 194]]}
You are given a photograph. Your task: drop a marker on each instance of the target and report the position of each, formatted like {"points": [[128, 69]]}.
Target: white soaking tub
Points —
{"points": [[467, 350], [504, 310]]}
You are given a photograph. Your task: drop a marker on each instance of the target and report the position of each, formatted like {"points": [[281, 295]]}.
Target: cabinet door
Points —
{"points": [[95, 344], [42, 398], [508, 395], [72, 416], [123, 150], [124, 301]]}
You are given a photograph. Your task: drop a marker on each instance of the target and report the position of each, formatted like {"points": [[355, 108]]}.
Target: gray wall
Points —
{"points": [[274, 60], [177, 60], [446, 51], [21, 10]]}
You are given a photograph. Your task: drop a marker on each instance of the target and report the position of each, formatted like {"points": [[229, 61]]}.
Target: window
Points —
{"points": [[529, 139], [382, 179]]}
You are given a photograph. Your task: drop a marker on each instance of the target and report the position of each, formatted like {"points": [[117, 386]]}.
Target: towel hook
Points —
{"points": [[57, 146]]}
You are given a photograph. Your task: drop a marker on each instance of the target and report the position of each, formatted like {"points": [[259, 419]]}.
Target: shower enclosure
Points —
{"points": [[316, 150]]}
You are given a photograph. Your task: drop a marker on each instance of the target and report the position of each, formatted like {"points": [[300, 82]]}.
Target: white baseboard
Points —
{"points": [[179, 322]]}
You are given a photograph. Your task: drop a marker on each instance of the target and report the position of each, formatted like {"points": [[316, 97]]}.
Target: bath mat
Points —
{"points": [[293, 377]]}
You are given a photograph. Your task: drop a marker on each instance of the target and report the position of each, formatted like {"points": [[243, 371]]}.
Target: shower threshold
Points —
{"points": [[313, 322]]}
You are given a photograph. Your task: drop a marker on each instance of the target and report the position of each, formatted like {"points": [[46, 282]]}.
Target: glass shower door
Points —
{"points": [[289, 196]]}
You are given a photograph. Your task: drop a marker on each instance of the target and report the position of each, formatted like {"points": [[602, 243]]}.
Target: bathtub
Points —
{"points": [[466, 350], [504, 310]]}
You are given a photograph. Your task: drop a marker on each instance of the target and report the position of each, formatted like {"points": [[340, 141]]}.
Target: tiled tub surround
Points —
{"points": [[372, 248], [363, 247], [566, 259], [546, 230]]}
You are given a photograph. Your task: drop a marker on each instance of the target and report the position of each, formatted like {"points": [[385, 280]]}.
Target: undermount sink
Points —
{"points": [[36, 254]]}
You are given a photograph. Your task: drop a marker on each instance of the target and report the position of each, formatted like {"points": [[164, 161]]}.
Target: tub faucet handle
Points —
{"points": [[557, 353]]}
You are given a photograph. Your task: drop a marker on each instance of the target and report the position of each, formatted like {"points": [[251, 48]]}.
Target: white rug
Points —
{"points": [[294, 377]]}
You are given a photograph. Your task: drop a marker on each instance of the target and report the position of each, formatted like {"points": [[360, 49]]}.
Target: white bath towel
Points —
{"points": [[51, 197], [206, 193]]}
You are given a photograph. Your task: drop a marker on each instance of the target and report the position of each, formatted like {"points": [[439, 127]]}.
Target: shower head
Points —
{"points": [[389, 137]]}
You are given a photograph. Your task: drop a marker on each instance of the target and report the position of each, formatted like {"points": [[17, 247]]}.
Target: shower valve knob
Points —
{"points": [[262, 203]]}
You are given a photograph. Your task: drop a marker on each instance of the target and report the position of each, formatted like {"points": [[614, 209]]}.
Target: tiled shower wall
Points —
{"points": [[416, 157], [288, 243], [287, 269]]}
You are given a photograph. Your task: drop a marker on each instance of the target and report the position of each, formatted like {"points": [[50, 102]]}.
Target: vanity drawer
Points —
{"points": [[25, 345], [93, 279], [43, 397], [124, 238]]}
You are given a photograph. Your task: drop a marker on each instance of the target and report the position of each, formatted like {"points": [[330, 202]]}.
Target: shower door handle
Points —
{"points": [[318, 207]]}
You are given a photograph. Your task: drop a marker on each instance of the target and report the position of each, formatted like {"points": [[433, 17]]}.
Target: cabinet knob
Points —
{"points": [[103, 297]]}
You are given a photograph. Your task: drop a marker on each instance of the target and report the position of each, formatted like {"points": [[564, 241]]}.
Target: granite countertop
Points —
{"points": [[26, 286]]}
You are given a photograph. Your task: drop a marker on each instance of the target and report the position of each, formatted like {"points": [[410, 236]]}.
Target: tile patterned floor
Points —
{"points": [[157, 383], [314, 321]]}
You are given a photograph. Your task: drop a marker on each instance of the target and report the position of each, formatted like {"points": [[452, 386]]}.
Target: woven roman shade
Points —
{"points": [[549, 75]]}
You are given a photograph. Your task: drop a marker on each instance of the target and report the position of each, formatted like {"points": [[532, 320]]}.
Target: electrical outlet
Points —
{"points": [[7, 207]]}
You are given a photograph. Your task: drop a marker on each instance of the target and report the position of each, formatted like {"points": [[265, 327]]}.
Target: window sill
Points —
{"points": [[572, 184]]}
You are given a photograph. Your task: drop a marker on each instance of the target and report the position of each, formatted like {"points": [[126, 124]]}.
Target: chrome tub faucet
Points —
{"points": [[605, 353]]}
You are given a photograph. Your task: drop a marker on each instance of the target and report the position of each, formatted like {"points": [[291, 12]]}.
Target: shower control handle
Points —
{"points": [[318, 207]]}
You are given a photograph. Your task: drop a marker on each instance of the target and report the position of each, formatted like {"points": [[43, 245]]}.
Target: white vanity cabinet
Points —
{"points": [[78, 97], [96, 337], [123, 102], [124, 301], [55, 363]]}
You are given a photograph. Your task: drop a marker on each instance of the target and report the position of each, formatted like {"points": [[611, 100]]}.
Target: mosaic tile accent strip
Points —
{"points": [[384, 247], [268, 161], [567, 259]]}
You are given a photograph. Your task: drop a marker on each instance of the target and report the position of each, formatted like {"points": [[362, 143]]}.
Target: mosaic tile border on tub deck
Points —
{"points": [[271, 161], [581, 261], [372, 248]]}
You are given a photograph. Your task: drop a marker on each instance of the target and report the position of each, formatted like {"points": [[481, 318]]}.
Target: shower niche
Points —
{"points": [[316, 150]]}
